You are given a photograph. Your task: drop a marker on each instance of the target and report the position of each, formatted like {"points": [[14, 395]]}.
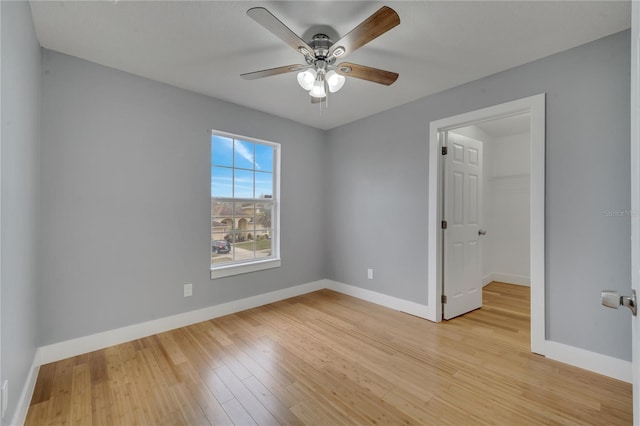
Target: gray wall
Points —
{"points": [[20, 153], [126, 199], [377, 186]]}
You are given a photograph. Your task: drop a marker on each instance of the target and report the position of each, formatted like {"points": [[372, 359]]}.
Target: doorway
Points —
{"points": [[534, 106], [498, 222]]}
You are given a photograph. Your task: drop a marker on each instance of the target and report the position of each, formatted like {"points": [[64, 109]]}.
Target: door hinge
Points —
{"points": [[445, 151], [443, 224], [444, 299]]}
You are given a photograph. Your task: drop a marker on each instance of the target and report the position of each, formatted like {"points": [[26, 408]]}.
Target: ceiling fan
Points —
{"points": [[320, 74]]}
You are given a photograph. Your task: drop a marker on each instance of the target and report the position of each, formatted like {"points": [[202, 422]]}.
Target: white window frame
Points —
{"points": [[274, 261]]}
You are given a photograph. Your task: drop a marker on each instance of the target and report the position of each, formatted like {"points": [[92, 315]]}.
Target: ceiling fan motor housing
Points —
{"points": [[321, 44]]}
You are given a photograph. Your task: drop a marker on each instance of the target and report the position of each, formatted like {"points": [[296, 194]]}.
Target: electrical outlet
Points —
{"points": [[370, 273], [5, 396], [188, 290]]}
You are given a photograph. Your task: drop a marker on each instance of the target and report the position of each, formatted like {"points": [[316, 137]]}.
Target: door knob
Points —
{"points": [[611, 299], [482, 232]]}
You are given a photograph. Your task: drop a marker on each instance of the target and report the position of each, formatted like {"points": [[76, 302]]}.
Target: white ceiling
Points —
{"points": [[205, 46]]}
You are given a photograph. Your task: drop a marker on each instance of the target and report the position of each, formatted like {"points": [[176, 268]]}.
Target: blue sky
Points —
{"points": [[253, 165]]}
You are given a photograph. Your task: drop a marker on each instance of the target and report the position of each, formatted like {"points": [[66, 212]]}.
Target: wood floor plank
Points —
{"points": [[321, 408], [271, 402], [263, 368], [61, 393], [81, 413], [39, 414], [44, 383], [244, 396], [101, 403], [237, 413], [327, 358]]}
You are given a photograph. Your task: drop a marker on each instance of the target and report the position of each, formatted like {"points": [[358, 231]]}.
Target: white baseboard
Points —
{"points": [[22, 408], [417, 309], [592, 361], [506, 278], [94, 342]]}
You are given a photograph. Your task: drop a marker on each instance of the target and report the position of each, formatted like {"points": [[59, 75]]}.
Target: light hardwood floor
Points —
{"points": [[328, 359]]}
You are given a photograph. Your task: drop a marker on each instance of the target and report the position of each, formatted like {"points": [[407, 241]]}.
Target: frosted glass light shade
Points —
{"points": [[335, 81], [306, 78], [318, 89]]}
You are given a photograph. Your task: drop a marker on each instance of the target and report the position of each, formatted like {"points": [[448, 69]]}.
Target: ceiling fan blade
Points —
{"points": [[273, 71], [265, 18], [318, 100], [375, 25], [367, 73]]}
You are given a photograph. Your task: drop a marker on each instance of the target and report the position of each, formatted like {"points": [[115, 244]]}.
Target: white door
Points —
{"points": [[635, 200], [462, 281]]}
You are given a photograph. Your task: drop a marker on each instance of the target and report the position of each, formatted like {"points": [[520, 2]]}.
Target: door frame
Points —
{"points": [[535, 106], [635, 200]]}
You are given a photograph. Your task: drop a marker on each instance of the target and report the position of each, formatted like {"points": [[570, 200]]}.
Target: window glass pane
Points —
{"points": [[243, 247], [264, 158], [221, 217], [264, 185], [263, 243], [221, 220], [243, 184], [217, 259], [220, 248], [263, 216], [221, 151], [221, 182], [217, 236], [244, 218], [244, 154]]}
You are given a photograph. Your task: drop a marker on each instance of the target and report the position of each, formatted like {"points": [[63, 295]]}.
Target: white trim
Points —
{"points": [[244, 268], [22, 408], [93, 342], [243, 138], [587, 360], [506, 278], [417, 309], [537, 225], [2, 376], [635, 200], [535, 105]]}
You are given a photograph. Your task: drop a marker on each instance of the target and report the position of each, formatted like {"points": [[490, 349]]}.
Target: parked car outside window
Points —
{"points": [[220, 246]]}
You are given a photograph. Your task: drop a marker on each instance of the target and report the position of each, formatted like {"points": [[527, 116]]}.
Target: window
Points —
{"points": [[244, 204]]}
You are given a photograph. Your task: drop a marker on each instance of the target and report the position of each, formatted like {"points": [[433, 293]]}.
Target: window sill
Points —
{"points": [[244, 268]]}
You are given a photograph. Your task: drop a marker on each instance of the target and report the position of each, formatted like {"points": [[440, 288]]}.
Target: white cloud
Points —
{"points": [[241, 149]]}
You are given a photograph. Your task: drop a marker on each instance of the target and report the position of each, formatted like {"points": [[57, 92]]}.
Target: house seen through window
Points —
{"points": [[244, 204]]}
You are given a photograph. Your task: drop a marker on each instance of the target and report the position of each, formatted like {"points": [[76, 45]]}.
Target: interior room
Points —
{"points": [[219, 212], [506, 195]]}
